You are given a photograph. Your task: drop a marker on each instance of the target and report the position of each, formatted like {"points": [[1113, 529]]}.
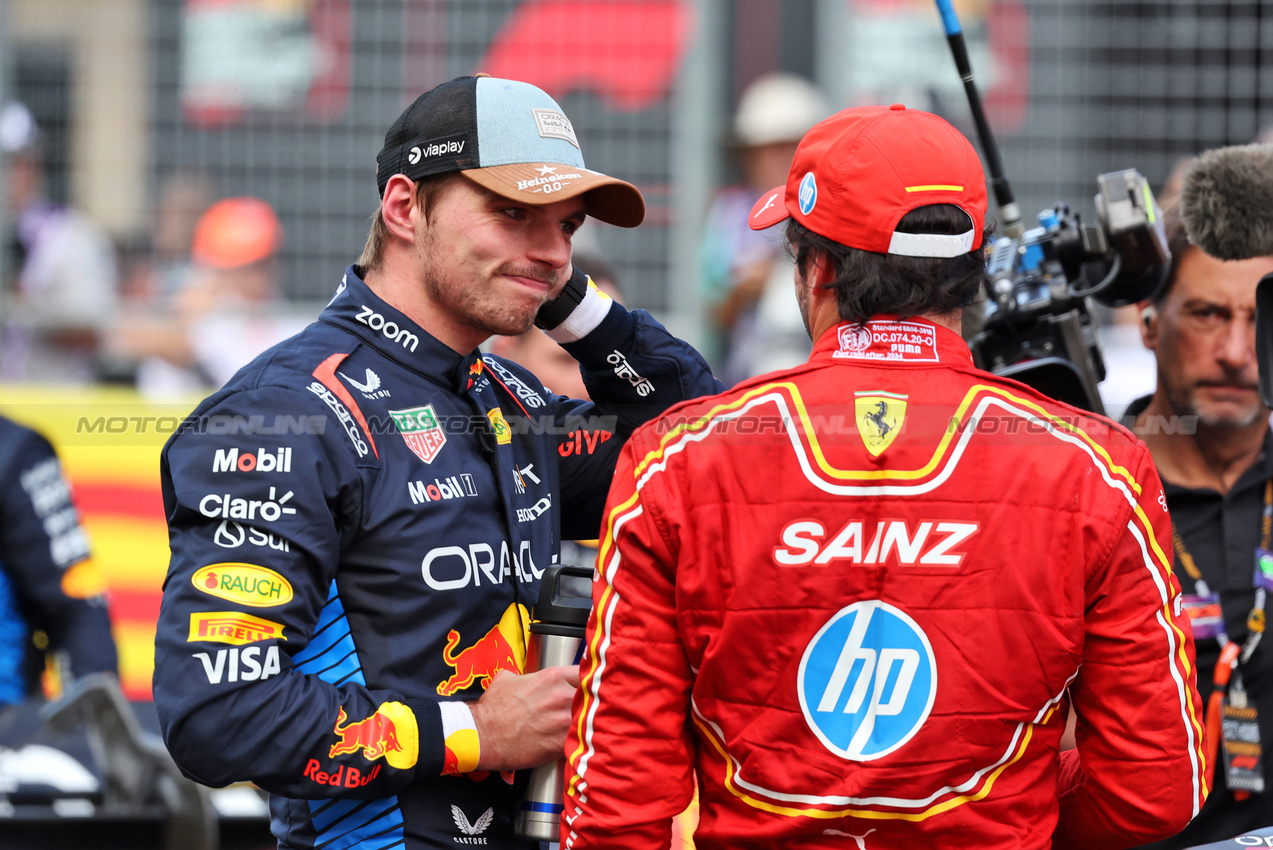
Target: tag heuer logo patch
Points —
{"points": [[419, 426], [879, 417]]}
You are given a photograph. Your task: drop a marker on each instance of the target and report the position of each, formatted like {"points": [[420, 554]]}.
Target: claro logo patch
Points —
{"points": [[246, 584]]}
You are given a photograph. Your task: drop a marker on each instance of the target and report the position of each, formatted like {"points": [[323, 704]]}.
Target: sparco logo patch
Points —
{"points": [[390, 330], [867, 681], [623, 369], [515, 385], [342, 413]]}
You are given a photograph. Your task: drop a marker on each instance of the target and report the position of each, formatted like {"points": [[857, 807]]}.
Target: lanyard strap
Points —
{"points": [[1255, 620]]}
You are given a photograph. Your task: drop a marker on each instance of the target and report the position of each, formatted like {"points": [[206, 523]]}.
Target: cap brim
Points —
{"points": [[608, 199], [769, 210]]}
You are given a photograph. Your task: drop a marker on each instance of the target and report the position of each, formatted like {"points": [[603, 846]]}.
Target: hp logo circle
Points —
{"points": [[808, 193], [867, 681]]}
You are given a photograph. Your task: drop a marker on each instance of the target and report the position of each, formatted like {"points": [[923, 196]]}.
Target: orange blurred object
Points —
{"points": [[236, 232]]}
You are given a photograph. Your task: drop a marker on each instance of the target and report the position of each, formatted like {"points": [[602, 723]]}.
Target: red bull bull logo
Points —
{"points": [[378, 735], [502, 648]]}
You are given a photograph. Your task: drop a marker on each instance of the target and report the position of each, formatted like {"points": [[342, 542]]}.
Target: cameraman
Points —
{"points": [[1209, 437], [854, 597]]}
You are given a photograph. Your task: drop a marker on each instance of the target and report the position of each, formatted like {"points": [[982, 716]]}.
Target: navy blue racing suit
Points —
{"points": [[47, 580], [359, 520]]}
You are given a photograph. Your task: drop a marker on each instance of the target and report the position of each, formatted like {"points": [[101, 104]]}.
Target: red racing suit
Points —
{"points": [[857, 598]]}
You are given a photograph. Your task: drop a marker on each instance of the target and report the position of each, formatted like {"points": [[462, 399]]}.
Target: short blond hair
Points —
{"points": [[427, 190]]}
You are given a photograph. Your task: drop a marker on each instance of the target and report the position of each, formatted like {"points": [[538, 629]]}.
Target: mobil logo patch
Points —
{"points": [[247, 584], [867, 681], [262, 460]]}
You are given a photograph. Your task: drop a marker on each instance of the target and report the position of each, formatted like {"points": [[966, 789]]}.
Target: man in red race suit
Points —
{"points": [[857, 597]]}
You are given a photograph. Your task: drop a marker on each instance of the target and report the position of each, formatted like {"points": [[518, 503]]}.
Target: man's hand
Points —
{"points": [[522, 720]]}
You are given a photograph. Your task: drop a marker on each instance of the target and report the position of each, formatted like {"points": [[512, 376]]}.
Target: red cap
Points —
{"points": [[858, 172], [236, 232]]}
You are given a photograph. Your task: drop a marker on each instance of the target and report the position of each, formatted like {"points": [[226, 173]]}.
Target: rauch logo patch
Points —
{"points": [[246, 584]]}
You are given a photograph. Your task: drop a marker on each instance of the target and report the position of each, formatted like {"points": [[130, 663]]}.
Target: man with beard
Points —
{"points": [[361, 517], [1209, 436]]}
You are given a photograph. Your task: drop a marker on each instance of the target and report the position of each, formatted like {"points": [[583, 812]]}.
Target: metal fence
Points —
{"points": [[294, 111], [289, 101]]}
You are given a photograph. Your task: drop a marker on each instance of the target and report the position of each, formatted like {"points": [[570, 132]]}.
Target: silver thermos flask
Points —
{"points": [[556, 640]]}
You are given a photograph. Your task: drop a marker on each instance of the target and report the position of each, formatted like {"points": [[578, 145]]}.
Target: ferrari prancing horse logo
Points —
{"points": [[879, 418]]}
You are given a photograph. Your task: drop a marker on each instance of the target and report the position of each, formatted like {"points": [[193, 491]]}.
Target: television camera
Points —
{"points": [[1037, 325]]}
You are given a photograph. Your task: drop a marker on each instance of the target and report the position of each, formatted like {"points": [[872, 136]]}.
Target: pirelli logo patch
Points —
{"points": [[232, 627]]}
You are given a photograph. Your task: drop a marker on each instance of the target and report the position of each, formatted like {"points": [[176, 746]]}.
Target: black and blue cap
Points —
{"points": [[507, 136]]}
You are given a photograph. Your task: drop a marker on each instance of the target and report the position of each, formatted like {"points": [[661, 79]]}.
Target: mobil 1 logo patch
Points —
{"points": [[867, 681]]}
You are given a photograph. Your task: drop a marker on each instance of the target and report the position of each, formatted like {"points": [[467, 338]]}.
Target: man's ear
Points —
{"points": [[1148, 325], [398, 207], [821, 267]]}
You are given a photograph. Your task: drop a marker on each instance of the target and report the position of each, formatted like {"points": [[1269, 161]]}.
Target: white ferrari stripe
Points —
{"points": [[594, 686], [1182, 691], [895, 802]]}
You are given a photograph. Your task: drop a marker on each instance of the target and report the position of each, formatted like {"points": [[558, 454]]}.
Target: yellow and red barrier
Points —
{"points": [[109, 441]]}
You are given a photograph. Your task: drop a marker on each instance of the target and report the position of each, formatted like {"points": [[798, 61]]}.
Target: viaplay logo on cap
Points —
{"points": [[808, 193], [448, 146]]}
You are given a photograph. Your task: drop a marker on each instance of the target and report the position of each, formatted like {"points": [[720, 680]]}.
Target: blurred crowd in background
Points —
{"points": [[174, 319], [177, 315], [185, 181]]}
